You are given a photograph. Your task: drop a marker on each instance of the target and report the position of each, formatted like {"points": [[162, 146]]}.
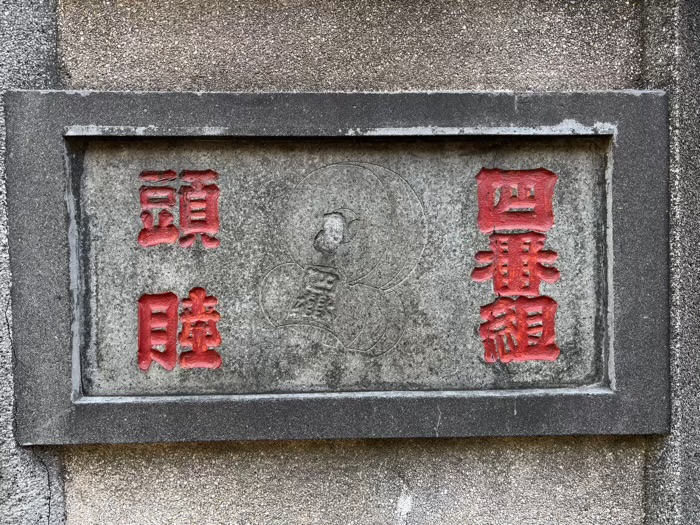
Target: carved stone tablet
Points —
{"points": [[207, 267]]}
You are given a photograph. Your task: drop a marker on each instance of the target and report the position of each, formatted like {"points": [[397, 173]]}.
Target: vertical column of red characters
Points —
{"points": [[516, 210], [158, 313]]}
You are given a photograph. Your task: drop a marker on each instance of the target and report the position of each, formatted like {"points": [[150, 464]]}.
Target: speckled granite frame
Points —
{"points": [[45, 130]]}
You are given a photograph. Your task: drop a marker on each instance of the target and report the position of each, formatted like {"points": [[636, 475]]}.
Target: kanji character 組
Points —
{"points": [[519, 329]]}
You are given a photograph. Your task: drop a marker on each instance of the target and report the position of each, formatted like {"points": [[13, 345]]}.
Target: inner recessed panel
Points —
{"points": [[334, 266]]}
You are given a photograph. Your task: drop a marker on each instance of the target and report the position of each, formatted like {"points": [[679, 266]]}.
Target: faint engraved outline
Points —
{"points": [[390, 283]]}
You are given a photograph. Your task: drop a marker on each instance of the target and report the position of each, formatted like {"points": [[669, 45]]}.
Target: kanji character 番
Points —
{"points": [[157, 329], [519, 329], [516, 264], [515, 200], [155, 198], [199, 331], [199, 208]]}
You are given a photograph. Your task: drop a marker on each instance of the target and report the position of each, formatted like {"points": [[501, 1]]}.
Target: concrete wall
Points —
{"points": [[357, 45], [673, 467], [426, 482], [30, 484], [377, 45]]}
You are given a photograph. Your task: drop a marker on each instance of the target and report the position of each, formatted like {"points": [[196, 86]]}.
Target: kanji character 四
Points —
{"points": [[515, 200]]}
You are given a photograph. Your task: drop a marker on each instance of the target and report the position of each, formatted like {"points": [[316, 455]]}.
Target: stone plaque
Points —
{"points": [[275, 266]]}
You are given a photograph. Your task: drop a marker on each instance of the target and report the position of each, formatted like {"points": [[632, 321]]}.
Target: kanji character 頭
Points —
{"points": [[199, 331], [316, 301], [157, 329], [516, 264], [155, 198], [199, 208], [522, 329], [515, 200]]}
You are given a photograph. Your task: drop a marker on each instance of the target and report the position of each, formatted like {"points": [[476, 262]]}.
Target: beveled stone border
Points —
{"points": [[45, 244]]}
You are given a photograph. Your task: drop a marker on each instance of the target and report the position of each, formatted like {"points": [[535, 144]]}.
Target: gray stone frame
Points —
{"points": [[45, 131]]}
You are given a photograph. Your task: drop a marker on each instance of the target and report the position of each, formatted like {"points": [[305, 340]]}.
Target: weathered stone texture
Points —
{"points": [[363, 45], [566, 481], [429, 341], [314, 45], [673, 467], [30, 487]]}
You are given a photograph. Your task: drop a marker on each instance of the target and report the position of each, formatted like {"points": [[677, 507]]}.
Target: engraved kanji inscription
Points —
{"points": [[158, 330], [199, 332], [157, 204], [517, 263], [316, 300], [157, 333], [198, 210], [355, 231], [515, 200], [519, 329], [519, 325]]}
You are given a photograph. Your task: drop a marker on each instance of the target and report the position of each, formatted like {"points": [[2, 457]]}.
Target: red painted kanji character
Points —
{"points": [[519, 329], [199, 208], [515, 200], [157, 329], [157, 198], [199, 331], [516, 264]]}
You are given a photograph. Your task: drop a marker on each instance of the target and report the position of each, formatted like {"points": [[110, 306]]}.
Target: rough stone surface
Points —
{"points": [[405, 316], [506, 481], [372, 45], [673, 466], [30, 486], [363, 45], [181, 44]]}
